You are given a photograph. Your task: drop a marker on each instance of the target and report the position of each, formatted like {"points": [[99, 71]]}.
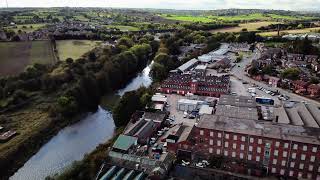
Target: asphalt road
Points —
{"points": [[239, 72]]}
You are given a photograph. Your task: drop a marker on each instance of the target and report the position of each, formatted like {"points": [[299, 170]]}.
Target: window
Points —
{"points": [[257, 158], [291, 173], [249, 157], [285, 154], [201, 132], [310, 167], [226, 144], [259, 150], [273, 170], [227, 136], [286, 145], [218, 143], [301, 166], [314, 149], [241, 155], [276, 152], [233, 154], [277, 144], [304, 148], [210, 150], [235, 137], [243, 138], [294, 155], [234, 145], [282, 171], [250, 148], [211, 133], [319, 169], [303, 157], [312, 158], [251, 140], [211, 142], [242, 147], [295, 146], [300, 174], [309, 176], [292, 164], [283, 163], [218, 151], [219, 135], [259, 141], [225, 153], [274, 161]]}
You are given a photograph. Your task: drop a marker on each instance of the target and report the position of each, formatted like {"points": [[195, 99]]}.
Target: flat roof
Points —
{"points": [[159, 98], [205, 109], [201, 67], [241, 101], [260, 128], [237, 112], [124, 142], [187, 65], [155, 116], [189, 101]]}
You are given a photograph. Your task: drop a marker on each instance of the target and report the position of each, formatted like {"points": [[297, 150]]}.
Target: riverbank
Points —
{"points": [[16, 156]]}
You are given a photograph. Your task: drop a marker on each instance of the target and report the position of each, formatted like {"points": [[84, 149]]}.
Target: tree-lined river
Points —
{"points": [[74, 141]]}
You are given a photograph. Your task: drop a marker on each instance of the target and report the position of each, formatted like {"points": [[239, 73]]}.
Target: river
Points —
{"points": [[74, 141]]}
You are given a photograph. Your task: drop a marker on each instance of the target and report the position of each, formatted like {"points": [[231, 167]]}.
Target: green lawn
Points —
{"points": [[123, 28], [15, 56], [74, 48]]}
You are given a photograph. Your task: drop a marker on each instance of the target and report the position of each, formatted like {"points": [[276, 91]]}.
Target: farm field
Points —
{"points": [[123, 28], [249, 26], [74, 48], [15, 56], [249, 17], [295, 31], [26, 27]]}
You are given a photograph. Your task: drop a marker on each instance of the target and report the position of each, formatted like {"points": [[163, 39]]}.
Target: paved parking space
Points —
{"points": [[178, 115]]}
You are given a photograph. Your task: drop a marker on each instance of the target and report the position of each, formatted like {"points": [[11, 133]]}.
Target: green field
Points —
{"points": [[122, 28], [188, 18], [74, 48], [295, 31], [249, 17], [28, 27], [249, 26], [15, 56]]}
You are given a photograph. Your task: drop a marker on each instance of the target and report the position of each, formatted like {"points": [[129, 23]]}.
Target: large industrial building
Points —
{"points": [[261, 146], [201, 85]]}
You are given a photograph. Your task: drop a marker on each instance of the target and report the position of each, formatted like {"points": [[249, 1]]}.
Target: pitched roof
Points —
{"points": [[124, 142]]}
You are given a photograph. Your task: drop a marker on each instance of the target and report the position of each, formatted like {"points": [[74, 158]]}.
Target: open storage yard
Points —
{"points": [[74, 48], [15, 56]]}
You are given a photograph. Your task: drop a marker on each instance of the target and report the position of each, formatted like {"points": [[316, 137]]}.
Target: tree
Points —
{"points": [[158, 72], [290, 73]]}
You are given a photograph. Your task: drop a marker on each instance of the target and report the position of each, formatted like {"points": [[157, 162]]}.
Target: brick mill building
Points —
{"points": [[277, 149], [201, 85]]}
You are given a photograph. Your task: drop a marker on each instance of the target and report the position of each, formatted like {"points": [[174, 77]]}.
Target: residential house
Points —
{"points": [[300, 86], [310, 58], [295, 57], [315, 66], [313, 90]]}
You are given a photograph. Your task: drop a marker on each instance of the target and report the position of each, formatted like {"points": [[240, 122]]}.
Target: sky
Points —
{"points": [[172, 4]]}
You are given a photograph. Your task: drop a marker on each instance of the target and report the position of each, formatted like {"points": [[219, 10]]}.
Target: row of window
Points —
{"points": [[252, 139]]}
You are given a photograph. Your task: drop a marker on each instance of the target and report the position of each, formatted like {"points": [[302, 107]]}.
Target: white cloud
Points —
{"points": [[171, 4]]}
